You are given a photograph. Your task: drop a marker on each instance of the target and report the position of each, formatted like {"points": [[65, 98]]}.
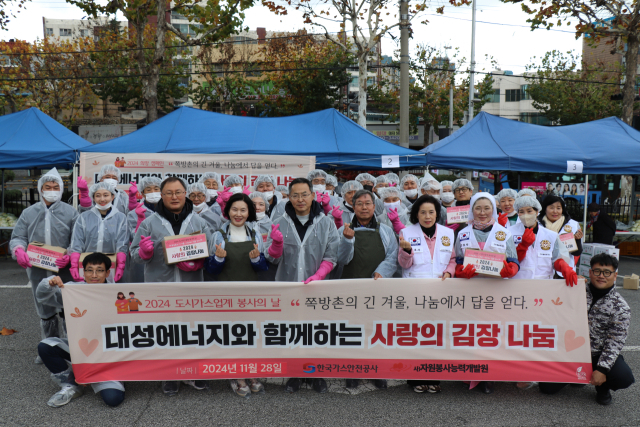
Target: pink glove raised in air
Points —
{"points": [[277, 242], [133, 191], [246, 190], [395, 220], [140, 210], [337, 215], [22, 258], [63, 262], [75, 267], [325, 268], [223, 197], [121, 262], [83, 189], [146, 248], [191, 265]]}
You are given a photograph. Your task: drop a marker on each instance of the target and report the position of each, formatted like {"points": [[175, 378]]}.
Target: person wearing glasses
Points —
{"points": [[609, 317], [197, 193], [174, 215], [462, 191], [303, 243]]}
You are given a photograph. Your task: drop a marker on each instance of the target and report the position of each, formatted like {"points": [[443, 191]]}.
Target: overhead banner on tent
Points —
{"points": [[495, 330], [190, 167]]}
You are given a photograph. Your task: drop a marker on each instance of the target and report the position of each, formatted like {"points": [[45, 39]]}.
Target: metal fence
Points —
{"points": [[15, 201]]}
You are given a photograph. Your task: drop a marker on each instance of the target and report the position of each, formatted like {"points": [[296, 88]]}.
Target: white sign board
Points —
{"points": [[574, 166], [389, 162]]}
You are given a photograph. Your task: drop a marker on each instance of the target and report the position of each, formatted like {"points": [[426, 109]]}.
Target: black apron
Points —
{"points": [[237, 266], [368, 253]]}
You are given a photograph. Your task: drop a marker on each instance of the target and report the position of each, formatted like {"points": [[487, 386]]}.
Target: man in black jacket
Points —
{"points": [[604, 228]]}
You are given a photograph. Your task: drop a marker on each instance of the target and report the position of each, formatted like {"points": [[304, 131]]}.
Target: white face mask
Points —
{"points": [[268, 194], [153, 198], [105, 207], [447, 197], [112, 182], [528, 220], [319, 188], [394, 205], [235, 190], [200, 207], [51, 196], [411, 193], [436, 196], [260, 215], [212, 193]]}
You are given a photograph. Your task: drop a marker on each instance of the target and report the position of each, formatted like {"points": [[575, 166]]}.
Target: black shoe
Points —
{"points": [[170, 388], [352, 383], [381, 384], [319, 385], [576, 385], [604, 397], [486, 387], [293, 385]]}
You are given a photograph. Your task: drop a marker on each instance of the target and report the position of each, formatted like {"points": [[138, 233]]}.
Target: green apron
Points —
{"points": [[237, 266], [368, 253]]}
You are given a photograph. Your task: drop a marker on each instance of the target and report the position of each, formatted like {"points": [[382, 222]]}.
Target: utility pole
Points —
{"points": [[453, 79], [404, 73], [473, 59]]}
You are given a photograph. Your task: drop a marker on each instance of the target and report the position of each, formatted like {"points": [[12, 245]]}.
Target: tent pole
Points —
{"points": [[586, 199], [632, 200], [74, 186]]}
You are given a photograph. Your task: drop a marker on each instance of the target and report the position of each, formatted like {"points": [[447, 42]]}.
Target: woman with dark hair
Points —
{"points": [[581, 192], [566, 191], [238, 256], [574, 190], [122, 304], [426, 252], [555, 217]]}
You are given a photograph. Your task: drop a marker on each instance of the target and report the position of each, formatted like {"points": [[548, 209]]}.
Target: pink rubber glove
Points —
{"points": [[75, 267], [223, 197], [337, 215], [121, 262], [395, 220], [83, 189], [140, 210], [277, 242], [133, 191], [191, 265], [325, 268], [246, 190], [146, 248], [63, 262], [325, 203], [22, 258], [393, 184]]}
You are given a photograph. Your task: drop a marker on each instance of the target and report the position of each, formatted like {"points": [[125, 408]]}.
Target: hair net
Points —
{"points": [[507, 192], [209, 175], [430, 185], [389, 192], [261, 195], [316, 173], [264, 178], [233, 180], [196, 187], [149, 181], [392, 177], [283, 189], [51, 176], [332, 180], [109, 170], [523, 202], [462, 183], [101, 186], [445, 183], [409, 177], [482, 195], [366, 177], [527, 192], [382, 179], [351, 186]]}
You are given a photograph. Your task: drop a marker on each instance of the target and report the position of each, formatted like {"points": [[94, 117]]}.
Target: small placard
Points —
{"points": [[574, 166], [458, 214], [44, 256], [569, 242], [185, 248], [390, 162], [486, 263]]}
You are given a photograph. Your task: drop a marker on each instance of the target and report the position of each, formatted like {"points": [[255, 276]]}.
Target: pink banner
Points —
{"points": [[488, 329]]}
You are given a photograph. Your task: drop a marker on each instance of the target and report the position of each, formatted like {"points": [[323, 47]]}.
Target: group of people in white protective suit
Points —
{"points": [[304, 232]]}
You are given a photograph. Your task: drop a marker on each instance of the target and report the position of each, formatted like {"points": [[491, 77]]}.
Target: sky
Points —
{"points": [[501, 31]]}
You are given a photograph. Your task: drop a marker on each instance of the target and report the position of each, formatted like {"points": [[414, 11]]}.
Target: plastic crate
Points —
{"points": [[630, 248]]}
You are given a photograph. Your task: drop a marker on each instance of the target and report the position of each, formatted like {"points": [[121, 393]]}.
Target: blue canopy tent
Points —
{"points": [[31, 139], [336, 141]]}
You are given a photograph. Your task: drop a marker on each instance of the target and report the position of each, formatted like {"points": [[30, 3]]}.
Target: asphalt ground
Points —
{"points": [[25, 388]]}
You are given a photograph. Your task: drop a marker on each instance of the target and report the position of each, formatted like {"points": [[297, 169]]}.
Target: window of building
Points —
{"points": [[534, 119], [219, 69], [524, 92], [512, 95], [84, 33], [371, 81], [354, 82], [176, 15], [65, 32], [494, 97], [48, 31]]}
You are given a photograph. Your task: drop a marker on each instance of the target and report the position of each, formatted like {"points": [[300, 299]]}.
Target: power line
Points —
{"points": [[497, 23]]}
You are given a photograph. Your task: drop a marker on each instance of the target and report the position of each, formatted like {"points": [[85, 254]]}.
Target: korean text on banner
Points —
{"points": [[190, 167], [497, 330]]}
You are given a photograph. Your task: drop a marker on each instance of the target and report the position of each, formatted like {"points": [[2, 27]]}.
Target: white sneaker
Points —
{"points": [[38, 360], [65, 395]]}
